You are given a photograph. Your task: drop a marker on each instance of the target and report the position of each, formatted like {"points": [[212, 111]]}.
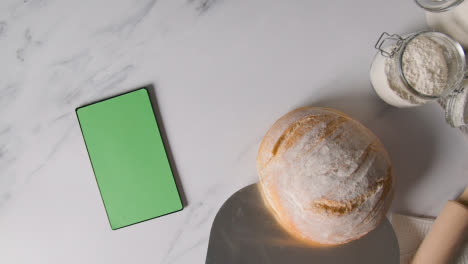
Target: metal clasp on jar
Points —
{"points": [[386, 37], [455, 105], [461, 89]]}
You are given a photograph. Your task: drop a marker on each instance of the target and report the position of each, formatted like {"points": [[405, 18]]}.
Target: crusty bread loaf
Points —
{"points": [[326, 177]]}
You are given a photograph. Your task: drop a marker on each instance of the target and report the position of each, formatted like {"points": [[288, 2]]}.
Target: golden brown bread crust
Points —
{"points": [[362, 209]]}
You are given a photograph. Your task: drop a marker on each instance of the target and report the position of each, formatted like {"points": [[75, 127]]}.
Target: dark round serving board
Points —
{"points": [[244, 231]]}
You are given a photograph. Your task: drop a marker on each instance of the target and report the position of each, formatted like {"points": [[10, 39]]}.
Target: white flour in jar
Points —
{"points": [[386, 82], [424, 66]]}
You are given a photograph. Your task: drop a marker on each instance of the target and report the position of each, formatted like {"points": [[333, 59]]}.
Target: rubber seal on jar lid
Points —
{"points": [[456, 109], [438, 6]]}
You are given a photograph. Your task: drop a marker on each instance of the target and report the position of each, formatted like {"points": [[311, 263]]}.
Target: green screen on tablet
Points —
{"points": [[128, 158]]}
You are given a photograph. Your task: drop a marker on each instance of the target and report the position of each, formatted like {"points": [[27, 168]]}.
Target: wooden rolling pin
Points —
{"points": [[447, 234]]}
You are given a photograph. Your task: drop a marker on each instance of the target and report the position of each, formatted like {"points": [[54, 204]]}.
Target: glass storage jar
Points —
{"points": [[391, 84], [449, 17]]}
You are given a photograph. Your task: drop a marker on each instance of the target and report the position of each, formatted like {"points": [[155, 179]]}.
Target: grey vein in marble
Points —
{"points": [[188, 249], [116, 77], [104, 79], [8, 94], [57, 145], [3, 27], [203, 220], [77, 60], [59, 118], [20, 51], [10, 148], [20, 8], [55, 148], [128, 24], [198, 215], [179, 232], [9, 144], [28, 42], [203, 5]]}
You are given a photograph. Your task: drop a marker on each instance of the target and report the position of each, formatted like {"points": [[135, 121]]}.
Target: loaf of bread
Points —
{"points": [[325, 176]]}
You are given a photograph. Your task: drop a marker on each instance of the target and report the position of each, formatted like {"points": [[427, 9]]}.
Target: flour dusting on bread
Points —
{"points": [[327, 177]]}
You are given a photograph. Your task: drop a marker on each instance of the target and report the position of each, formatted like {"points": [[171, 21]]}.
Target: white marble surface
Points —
{"points": [[223, 72]]}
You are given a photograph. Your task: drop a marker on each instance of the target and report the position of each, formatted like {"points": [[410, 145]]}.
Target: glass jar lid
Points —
{"points": [[438, 5]]}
